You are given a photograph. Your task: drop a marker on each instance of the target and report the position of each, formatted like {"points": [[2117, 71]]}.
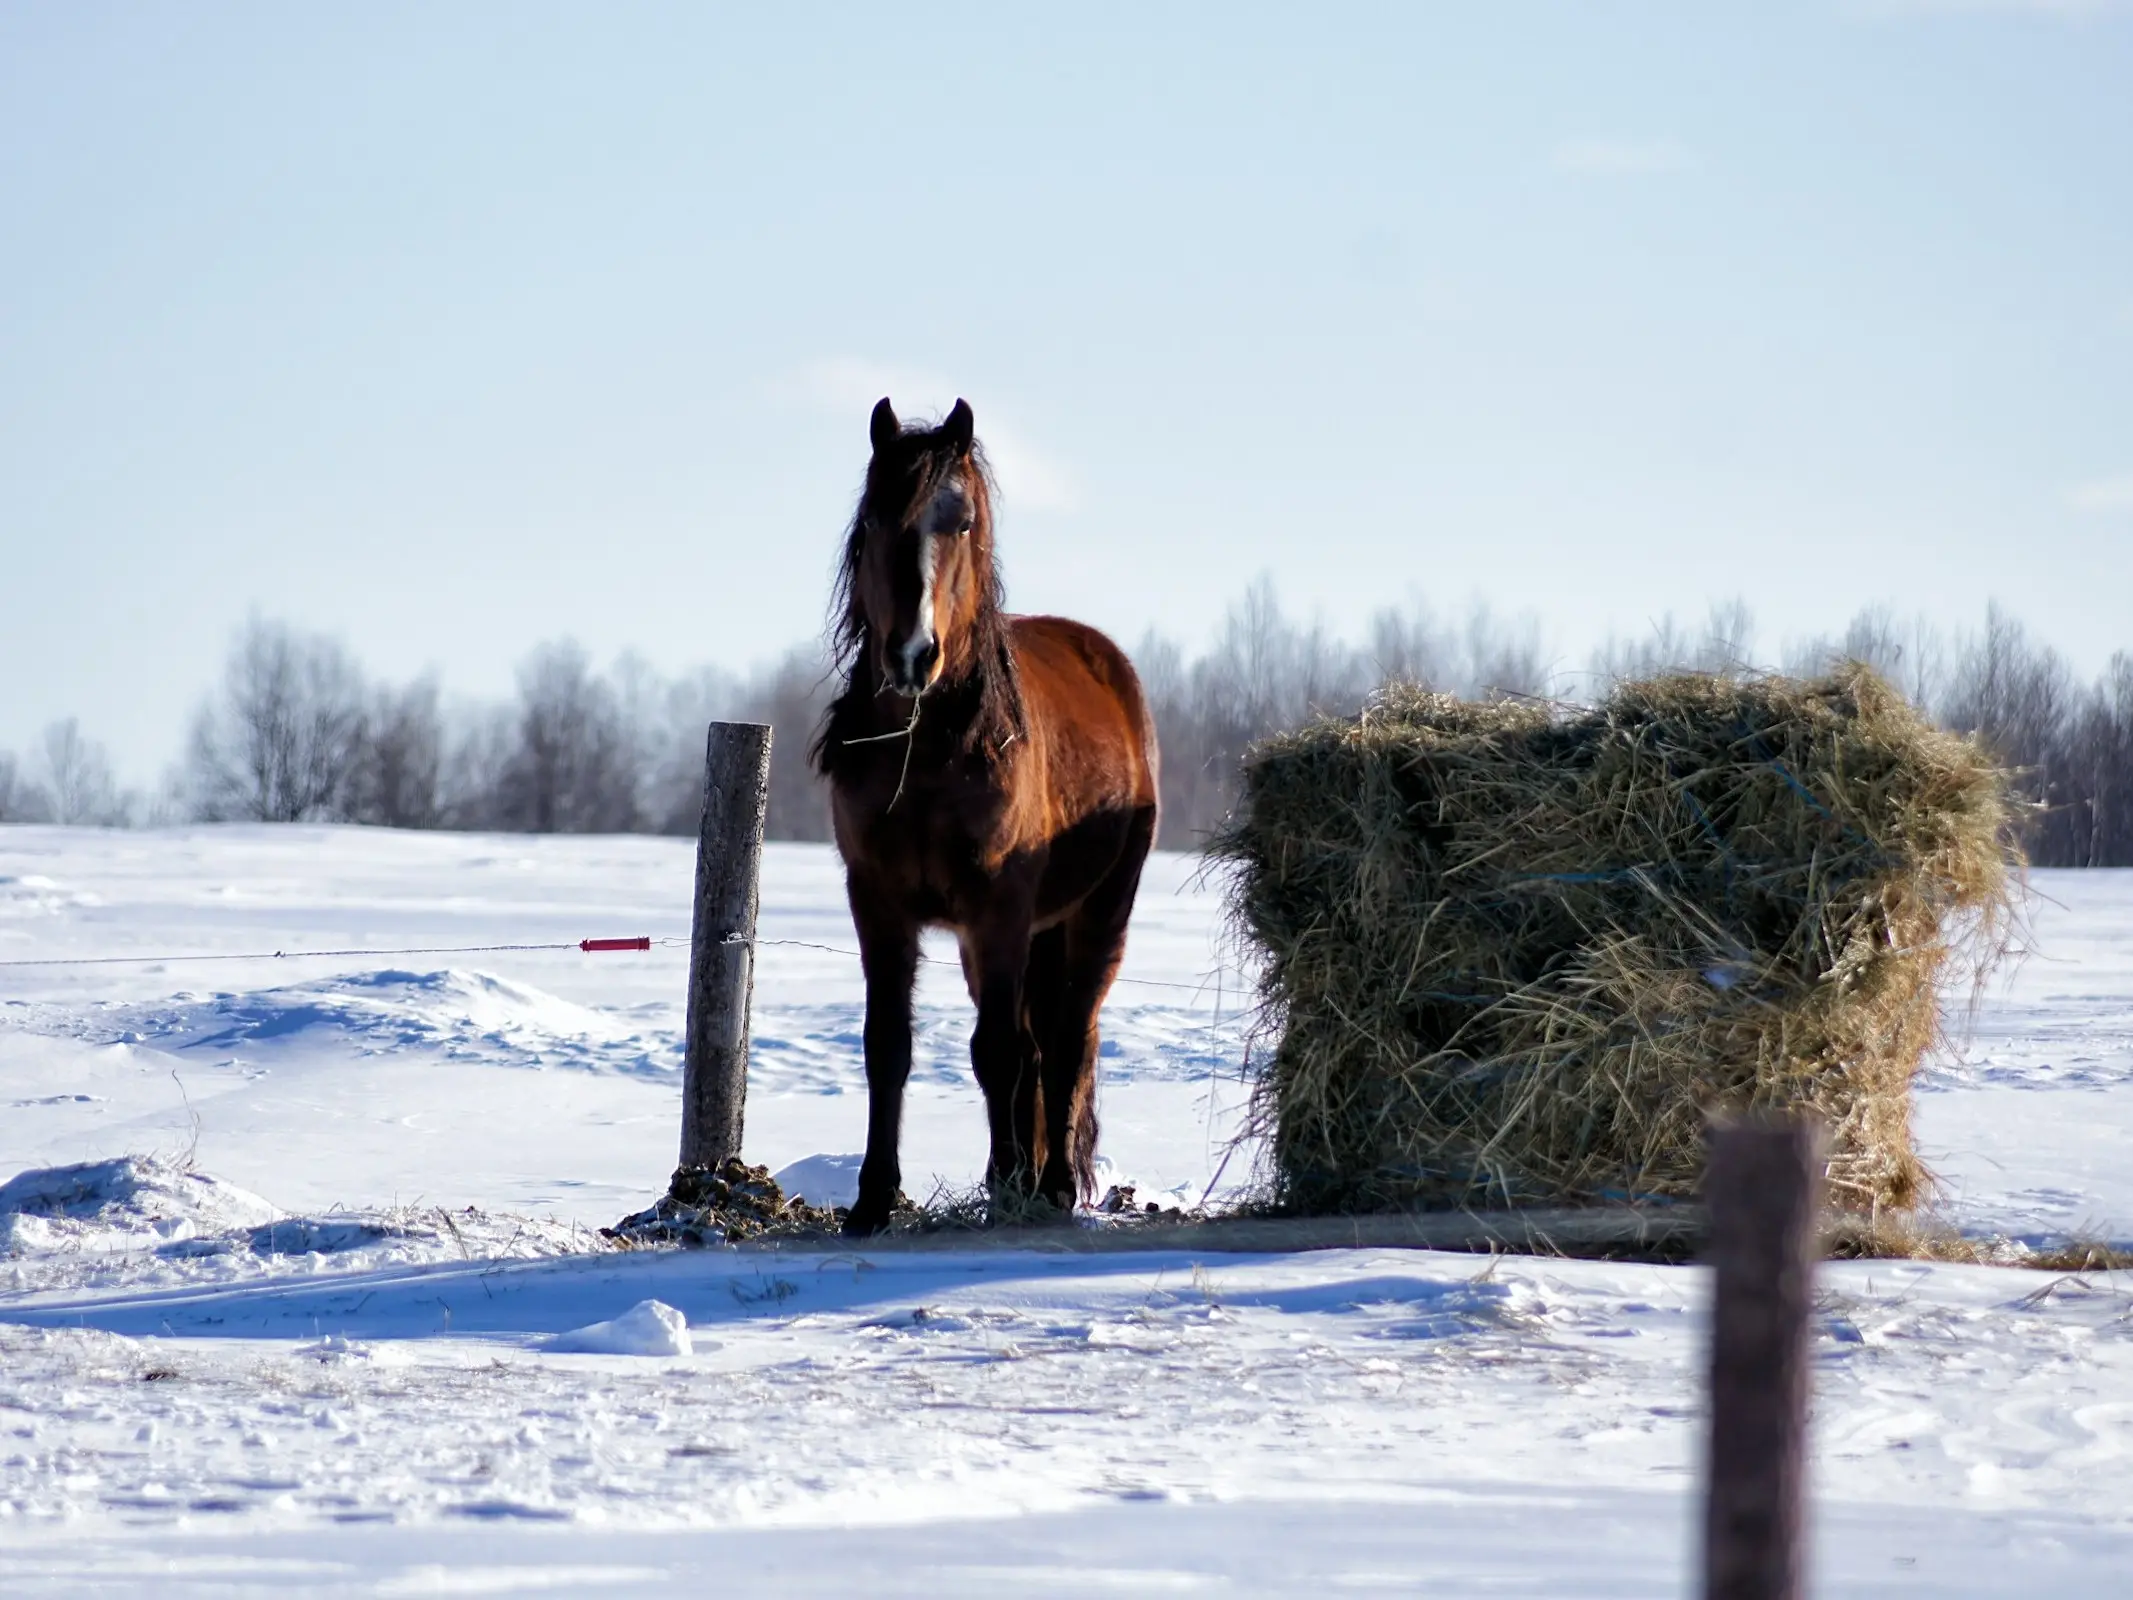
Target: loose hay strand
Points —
{"points": [[1517, 954]]}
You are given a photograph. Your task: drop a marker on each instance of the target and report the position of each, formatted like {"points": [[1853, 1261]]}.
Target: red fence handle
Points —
{"points": [[615, 944]]}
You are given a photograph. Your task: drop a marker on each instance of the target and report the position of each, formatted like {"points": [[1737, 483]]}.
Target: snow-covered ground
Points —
{"points": [[326, 1312]]}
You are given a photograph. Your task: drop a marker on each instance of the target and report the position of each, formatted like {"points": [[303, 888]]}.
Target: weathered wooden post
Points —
{"points": [[729, 855], [1763, 1188]]}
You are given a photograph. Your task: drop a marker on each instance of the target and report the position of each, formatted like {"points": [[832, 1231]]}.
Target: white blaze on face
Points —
{"points": [[944, 518], [921, 635]]}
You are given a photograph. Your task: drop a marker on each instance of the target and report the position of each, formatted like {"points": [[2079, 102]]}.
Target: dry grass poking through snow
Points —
{"points": [[1916, 1237], [1518, 954]]}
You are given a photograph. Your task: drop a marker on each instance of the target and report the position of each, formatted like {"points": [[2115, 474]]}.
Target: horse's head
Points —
{"points": [[918, 561]]}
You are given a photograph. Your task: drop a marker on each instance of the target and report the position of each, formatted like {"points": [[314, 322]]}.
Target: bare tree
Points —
{"points": [[643, 729], [21, 799], [1193, 787], [2095, 772], [674, 784], [573, 770], [1729, 636], [78, 785], [281, 742], [1503, 657], [398, 776], [1487, 655], [1724, 645], [477, 764], [1874, 638], [2012, 694], [1409, 647], [793, 696], [1909, 654], [2017, 698], [1666, 646], [1264, 673]]}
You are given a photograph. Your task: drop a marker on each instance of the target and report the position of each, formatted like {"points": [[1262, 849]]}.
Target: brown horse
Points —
{"points": [[991, 774]]}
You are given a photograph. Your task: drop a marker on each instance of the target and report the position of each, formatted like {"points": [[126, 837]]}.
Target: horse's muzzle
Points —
{"points": [[911, 671]]}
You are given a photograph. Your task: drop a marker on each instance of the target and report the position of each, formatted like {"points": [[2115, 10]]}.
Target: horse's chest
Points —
{"points": [[937, 857]]}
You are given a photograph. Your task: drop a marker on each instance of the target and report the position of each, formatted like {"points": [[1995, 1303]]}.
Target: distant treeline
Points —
{"points": [[296, 732]]}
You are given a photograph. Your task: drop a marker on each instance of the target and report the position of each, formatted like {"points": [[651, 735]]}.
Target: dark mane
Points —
{"points": [[983, 702]]}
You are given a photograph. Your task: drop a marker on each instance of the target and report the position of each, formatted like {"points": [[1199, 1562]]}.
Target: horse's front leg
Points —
{"points": [[1003, 1055], [888, 953]]}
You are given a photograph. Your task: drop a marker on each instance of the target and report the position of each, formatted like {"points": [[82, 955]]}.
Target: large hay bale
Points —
{"points": [[1518, 956]]}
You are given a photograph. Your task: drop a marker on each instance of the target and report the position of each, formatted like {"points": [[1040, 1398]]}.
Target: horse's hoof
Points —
{"points": [[863, 1222], [1024, 1208], [1058, 1191]]}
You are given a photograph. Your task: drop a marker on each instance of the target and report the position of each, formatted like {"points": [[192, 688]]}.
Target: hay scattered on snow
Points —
{"points": [[734, 1201], [1517, 955]]}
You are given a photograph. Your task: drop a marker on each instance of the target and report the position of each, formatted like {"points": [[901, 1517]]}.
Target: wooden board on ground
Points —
{"points": [[1539, 1232]]}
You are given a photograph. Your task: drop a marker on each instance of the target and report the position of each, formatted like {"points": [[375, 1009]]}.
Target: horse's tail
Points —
{"points": [[1081, 1137]]}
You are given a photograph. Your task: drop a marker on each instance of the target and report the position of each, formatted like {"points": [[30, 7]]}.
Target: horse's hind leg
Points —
{"points": [[1095, 944], [1067, 1063], [1002, 1051], [1043, 1000]]}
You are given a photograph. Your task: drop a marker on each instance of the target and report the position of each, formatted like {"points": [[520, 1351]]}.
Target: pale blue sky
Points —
{"points": [[453, 328]]}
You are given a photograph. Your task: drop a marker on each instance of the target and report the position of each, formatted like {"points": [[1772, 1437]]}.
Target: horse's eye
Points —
{"points": [[965, 528]]}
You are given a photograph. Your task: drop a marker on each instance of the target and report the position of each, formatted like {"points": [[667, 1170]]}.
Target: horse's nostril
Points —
{"points": [[923, 658]]}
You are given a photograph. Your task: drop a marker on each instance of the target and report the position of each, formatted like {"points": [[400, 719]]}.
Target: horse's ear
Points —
{"points": [[883, 428], [960, 428]]}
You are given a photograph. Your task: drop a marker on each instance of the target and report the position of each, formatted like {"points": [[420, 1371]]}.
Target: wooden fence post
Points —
{"points": [[729, 854], [1763, 1188]]}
